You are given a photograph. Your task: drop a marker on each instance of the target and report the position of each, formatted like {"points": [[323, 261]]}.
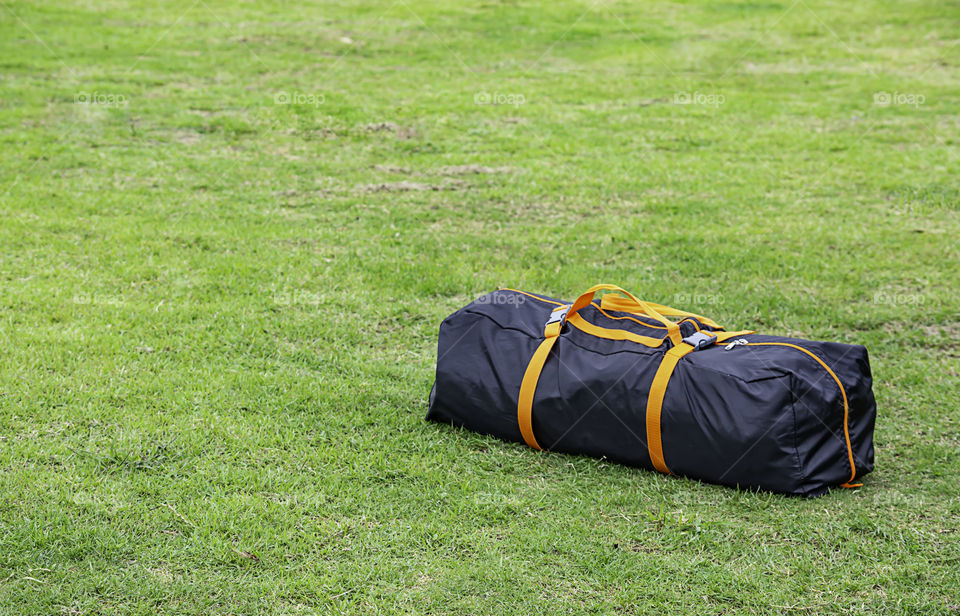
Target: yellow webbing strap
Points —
{"points": [[655, 403], [724, 336], [673, 330], [528, 386], [612, 334], [625, 304]]}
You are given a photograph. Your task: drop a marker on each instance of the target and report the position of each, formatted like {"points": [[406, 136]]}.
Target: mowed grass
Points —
{"points": [[230, 232]]}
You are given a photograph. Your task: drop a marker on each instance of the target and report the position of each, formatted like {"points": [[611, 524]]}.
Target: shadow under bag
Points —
{"points": [[615, 378]]}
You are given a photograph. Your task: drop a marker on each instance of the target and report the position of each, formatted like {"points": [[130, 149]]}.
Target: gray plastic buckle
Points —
{"points": [[700, 340], [558, 314]]}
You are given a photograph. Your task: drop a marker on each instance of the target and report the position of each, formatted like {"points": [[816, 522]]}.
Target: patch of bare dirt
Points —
{"points": [[950, 331], [393, 169], [408, 186], [390, 127], [185, 137], [943, 332], [472, 170]]}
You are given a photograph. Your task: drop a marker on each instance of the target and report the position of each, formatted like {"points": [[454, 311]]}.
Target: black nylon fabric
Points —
{"points": [[756, 416]]}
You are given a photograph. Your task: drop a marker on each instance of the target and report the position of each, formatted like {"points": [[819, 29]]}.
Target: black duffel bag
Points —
{"points": [[615, 378]]}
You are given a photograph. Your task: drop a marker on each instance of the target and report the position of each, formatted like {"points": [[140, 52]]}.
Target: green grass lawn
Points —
{"points": [[230, 231]]}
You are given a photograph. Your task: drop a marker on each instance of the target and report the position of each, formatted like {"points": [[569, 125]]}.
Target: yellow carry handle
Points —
{"points": [[622, 304], [637, 306]]}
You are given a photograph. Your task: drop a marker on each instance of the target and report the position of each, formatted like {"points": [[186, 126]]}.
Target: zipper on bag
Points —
{"points": [[846, 407]]}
